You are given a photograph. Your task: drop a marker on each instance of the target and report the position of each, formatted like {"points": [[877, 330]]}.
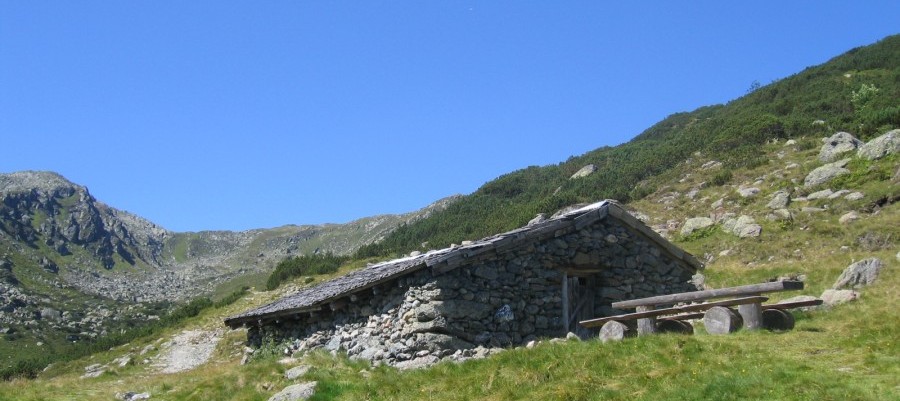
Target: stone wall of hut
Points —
{"points": [[507, 300]]}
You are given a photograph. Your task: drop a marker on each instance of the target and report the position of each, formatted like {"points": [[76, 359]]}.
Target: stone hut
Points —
{"points": [[505, 290]]}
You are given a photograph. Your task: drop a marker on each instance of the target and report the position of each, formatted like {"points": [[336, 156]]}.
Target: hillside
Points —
{"points": [[693, 177], [818, 101], [73, 269], [847, 351]]}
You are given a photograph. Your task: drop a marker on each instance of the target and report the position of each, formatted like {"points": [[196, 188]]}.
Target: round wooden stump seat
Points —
{"points": [[777, 320], [721, 320], [615, 331], [674, 326]]}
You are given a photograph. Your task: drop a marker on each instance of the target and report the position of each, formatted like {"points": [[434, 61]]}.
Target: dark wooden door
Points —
{"points": [[578, 303]]}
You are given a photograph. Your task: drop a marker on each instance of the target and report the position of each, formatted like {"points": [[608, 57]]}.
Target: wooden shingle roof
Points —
{"points": [[440, 261]]}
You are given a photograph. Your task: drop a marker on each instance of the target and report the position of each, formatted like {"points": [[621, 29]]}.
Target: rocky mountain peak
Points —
{"points": [[39, 181]]}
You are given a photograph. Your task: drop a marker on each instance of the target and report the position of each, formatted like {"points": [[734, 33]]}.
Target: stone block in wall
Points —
{"points": [[486, 272], [462, 309]]}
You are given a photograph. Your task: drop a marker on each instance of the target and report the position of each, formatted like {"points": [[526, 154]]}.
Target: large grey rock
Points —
{"points": [[743, 226], [820, 194], [132, 396], [748, 192], [584, 172], [780, 200], [417, 363], [696, 223], [436, 342], [296, 372], [884, 145], [859, 274], [826, 173], [294, 392], [837, 297], [94, 370], [838, 144], [848, 217], [780, 215]]}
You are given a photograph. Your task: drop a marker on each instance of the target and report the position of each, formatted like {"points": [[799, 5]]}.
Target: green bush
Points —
{"points": [[307, 265]]}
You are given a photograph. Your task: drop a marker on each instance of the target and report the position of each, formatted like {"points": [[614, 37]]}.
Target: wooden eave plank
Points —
{"points": [[586, 219]]}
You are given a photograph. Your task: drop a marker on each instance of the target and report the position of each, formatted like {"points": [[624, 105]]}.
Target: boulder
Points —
{"points": [[417, 363], [854, 196], [820, 194], [884, 145], [295, 372], [826, 173], [780, 215], [94, 370], [780, 200], [584, 172], [837, 297], [838, 144], [436, 342], [743, 226], [696, 223], [859, 274], [539, 218], [748, 192], [294, 392], [848, 217], [132, 396], [711, 165]]}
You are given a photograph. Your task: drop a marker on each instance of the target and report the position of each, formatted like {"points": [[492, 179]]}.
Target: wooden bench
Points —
{"points": [[717, 315]]}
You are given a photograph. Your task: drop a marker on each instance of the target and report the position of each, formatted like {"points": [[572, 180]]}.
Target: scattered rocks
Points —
{"points": [[859, 274], [743, 227], [826, 173], [884, 145], [837, 297], [780, 200], [838, 144], [848, 217], [696, 223], [584, 172], [294, 392], [854, 196]]}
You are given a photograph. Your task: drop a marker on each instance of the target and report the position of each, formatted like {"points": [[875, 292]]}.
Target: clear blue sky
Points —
{"points": [[242, 114]]}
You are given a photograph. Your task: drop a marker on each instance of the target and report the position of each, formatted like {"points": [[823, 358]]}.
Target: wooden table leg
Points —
{"points": [[752, 316], [646, 325]]}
